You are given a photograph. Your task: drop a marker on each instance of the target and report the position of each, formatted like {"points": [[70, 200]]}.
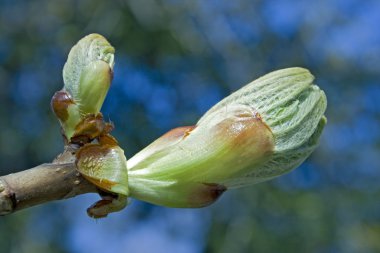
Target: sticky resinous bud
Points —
{"points": [[87, 76], [262, 131], [105, 165]]}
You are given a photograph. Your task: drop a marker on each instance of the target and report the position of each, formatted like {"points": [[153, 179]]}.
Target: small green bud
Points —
{"points": [[87, 76], [88, 72], [263, 130]]}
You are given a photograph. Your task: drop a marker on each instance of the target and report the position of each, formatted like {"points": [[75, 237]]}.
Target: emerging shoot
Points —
{"points": [[261, 131], [264, 130]]}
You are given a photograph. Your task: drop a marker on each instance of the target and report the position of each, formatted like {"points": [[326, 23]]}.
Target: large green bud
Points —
{"points": [[262, 131], [87, 76]]}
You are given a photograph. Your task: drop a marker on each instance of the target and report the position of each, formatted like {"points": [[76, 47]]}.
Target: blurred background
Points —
{"points": [[174, 60]]}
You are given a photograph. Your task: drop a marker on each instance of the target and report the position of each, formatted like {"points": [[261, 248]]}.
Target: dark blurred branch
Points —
{"points": [[41, 184]]}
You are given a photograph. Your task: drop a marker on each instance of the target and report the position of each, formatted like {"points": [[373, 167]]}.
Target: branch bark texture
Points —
{"points": [[41, 184]]}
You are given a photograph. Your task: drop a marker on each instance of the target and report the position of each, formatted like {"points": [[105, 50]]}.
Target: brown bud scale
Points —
{"points": [[59, 104]]}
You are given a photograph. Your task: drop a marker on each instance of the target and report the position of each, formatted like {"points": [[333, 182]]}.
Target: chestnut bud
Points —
{"points": [[262, 131], [87, 76]]}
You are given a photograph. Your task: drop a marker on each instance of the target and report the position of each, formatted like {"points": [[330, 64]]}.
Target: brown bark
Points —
{"points": [[41, 184]]}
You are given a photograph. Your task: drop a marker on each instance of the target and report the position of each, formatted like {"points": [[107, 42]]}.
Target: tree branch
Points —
{"points": [[44, 183]]}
